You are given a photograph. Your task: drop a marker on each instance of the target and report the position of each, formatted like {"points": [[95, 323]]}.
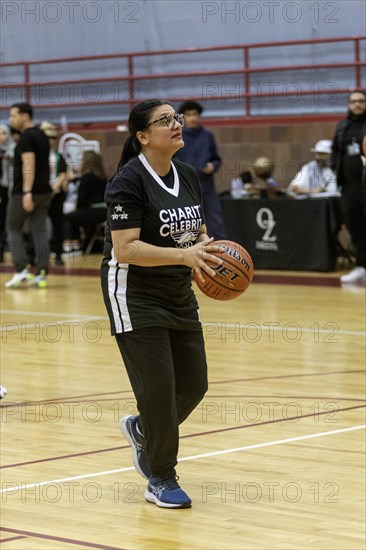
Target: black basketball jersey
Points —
{"points": [[169, 213]]}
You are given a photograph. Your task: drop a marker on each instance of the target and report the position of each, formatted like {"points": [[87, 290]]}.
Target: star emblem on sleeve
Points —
{"points": [[119, 213]]}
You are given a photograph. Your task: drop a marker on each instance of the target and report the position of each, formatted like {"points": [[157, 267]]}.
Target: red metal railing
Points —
{"points": [[246, 71]]}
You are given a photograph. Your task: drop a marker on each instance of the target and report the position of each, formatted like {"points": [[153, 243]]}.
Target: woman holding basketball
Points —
{"points": [[155, 236]]}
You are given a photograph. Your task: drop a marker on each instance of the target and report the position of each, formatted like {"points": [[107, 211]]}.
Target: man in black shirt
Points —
{"points": [[346, 162], [30, 198]]}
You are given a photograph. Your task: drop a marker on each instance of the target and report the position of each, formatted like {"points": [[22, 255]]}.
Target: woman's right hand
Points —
{"points": [[199, 254]]}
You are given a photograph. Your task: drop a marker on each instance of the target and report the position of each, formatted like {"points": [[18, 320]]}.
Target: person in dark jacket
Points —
{"points": [[200, 151], [90, 208], [347, 164]]}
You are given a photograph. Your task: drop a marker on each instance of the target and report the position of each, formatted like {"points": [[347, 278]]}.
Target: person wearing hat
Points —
{"points": [[58, 183], [316, 176], [200, 151]]}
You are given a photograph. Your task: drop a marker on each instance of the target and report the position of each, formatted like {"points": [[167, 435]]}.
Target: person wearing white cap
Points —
{"points": [[316, 176]]}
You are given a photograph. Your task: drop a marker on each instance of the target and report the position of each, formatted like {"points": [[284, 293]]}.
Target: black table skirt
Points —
{"points": [[285, 233]]}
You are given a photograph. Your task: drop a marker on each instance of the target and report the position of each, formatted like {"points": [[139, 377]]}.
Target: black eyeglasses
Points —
{"points": [[357, 101], [168, 120]]}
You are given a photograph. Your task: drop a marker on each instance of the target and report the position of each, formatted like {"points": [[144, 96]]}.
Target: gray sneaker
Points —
{"points": [[136, 440]]}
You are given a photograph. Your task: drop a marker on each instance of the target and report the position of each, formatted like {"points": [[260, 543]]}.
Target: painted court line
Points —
{"points": [[14, 487]]}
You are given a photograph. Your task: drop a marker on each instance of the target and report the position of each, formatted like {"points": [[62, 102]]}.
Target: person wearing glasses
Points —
{"points": [[200, 151], [155, 236], [347, 164]]}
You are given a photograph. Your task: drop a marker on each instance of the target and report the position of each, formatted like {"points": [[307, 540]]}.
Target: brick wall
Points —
{"points": [[287, 145]]}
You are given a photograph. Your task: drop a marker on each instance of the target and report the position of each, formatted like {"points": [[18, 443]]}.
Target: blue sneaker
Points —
{"points": [[166, 493], [136, 440]]}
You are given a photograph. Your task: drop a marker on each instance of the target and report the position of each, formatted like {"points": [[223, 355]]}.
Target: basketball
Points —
{"points": [[233, 276], [364, 146]]}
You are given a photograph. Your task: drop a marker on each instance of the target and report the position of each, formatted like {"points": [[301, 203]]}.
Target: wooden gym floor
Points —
{"points": [[272, 458]]}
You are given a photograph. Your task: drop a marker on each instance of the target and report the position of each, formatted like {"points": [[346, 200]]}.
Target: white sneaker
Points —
{"points": [[357, 275], [19, 278], [3, 392]]}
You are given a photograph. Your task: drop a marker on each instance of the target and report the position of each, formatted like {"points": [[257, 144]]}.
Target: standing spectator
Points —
{"points": [[316, 176], [91, 208], [58, 183], [7, 146], [200, 151], [347, 163], [30, 198]]}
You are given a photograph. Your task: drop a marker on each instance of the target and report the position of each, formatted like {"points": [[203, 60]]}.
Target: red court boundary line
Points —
{"points": [[322, 397], [64, 399], [211, 432], [207, 397], [287, 376], [12, 538], [329, 449], [60, 539], [50, 459], [274, 421]]}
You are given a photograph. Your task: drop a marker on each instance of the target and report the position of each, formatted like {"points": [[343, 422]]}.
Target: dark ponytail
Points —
{"points": [[130, 149], [137, 122]]}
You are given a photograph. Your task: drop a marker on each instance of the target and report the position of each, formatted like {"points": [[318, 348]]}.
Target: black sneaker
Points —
{"points": [[136, 440], [166, 493]]}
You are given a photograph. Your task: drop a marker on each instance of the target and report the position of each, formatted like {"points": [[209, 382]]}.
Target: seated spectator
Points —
{"points": [[316, 176], [72, 243], [58, 182], [264, 186], [240, 186], [90, 207]]}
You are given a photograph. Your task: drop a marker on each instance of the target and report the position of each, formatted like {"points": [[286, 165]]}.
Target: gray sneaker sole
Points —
{"points": [[127, 435]]}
